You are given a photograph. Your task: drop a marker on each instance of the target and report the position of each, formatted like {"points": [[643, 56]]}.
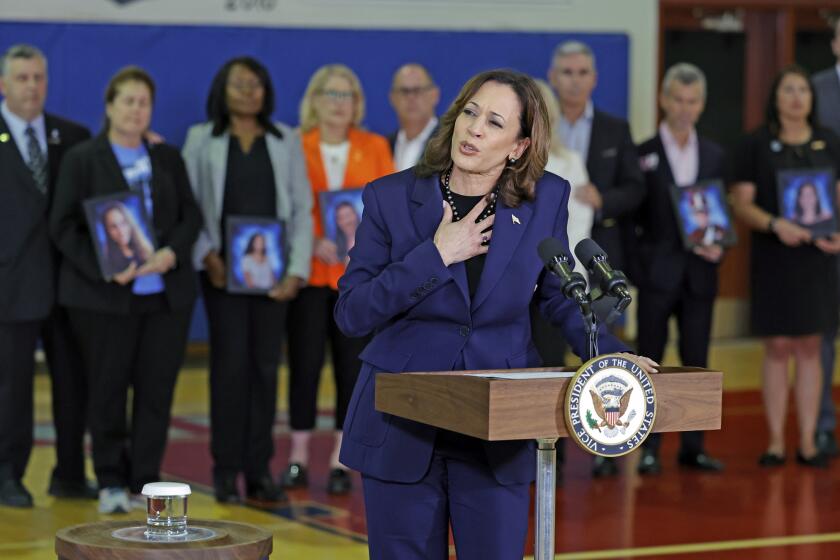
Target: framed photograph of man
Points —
{"points": [[807, 197], [256, 254], [341, 213], [120, 230], [703, 215]]}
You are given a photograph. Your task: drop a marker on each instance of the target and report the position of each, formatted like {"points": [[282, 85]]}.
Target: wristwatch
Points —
{"points": [[771, 224]]}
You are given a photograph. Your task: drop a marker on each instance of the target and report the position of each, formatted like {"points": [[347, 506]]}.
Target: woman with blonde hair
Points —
{"points": [[339, 155]]}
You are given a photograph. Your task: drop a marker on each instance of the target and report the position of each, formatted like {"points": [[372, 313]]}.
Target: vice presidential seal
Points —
{"points": [[610, 405]]}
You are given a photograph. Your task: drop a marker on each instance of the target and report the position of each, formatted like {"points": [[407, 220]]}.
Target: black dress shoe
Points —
{"points": [[294, 477], [700, 462], [14, 494], [817, 460], [339, 482], [827, 443], [603, 467], [264, 489], [771, 460], [649, 463], [75, 489], [224, 487]]}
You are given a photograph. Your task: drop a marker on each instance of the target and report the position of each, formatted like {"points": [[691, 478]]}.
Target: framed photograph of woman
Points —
{"points": [[256, 254], [120, 231], [341, 212], [703, 215], [807, 198]]}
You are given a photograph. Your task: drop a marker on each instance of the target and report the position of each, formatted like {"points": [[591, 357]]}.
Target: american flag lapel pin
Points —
{"points": [[514, 219]]}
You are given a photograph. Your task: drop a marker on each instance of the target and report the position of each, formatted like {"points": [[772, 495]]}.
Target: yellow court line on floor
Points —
{"points": [[718, 546]]}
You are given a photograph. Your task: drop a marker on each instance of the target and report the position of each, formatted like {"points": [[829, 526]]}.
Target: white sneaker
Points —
{"points": [[113, 500]]}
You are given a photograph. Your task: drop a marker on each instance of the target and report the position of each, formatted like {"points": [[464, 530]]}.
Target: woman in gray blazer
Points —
{"points": [[241, 164]]}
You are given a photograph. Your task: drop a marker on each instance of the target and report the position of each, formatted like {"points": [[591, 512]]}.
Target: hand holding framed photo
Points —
{"points": [[807, 197], [341, 213], [702, 215], [255, 253], [121, 233]]}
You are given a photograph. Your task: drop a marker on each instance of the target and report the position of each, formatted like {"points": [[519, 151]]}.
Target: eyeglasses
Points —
{"points": [[245, 85], [338, 96], [409, 91]]}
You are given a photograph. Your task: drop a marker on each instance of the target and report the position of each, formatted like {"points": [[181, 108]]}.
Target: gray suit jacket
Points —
{"points": [[827, 86], [206, 159]]}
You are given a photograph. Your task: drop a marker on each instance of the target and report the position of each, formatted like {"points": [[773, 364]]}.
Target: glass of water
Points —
{"points": [[166, 509]]}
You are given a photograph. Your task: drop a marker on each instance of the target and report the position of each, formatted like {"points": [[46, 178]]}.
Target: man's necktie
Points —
{"points": [[37, 160]]}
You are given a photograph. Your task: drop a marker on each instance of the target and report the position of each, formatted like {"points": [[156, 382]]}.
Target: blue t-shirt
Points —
{"points": [[137, 170]]}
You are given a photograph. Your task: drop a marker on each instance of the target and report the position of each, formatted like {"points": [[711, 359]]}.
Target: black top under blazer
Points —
{"points": [[90, 170], [27, 259], [662, 263], [613, 168]]}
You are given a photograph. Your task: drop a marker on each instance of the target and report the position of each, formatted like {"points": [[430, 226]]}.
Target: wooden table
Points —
{"points": [[93, 541]]}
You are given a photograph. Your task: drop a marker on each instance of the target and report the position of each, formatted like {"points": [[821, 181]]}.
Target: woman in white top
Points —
{"points": [[568, 164]]}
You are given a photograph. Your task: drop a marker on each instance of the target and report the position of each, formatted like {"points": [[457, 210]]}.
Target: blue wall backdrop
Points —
{"points": [[183, 60]]}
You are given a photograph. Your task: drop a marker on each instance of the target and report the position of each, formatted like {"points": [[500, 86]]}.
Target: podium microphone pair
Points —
{"points": [[609, 282]]}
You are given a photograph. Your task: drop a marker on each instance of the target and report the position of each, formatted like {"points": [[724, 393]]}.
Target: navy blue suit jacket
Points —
{"points": [[397, 287]]}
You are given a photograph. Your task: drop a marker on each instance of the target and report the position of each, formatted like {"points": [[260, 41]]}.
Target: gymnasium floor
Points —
{"points": [[745, 513]]}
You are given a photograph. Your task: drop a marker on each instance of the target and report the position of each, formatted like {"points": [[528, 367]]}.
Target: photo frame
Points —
{"points": [[341, 214], [808, 198], [703, 215], [255, 249], [120, 230]]}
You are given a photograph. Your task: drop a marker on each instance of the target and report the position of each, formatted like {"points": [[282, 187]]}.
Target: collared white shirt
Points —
{"points": [[684, 161], [576, 136], [408, 152], [18, 126]]}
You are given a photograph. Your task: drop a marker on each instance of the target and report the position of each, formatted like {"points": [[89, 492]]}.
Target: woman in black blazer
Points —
{"points": [[132, 327]]}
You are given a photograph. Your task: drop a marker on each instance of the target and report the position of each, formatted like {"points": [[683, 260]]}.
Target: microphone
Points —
{"points": [[612, 282], [552, 253]]}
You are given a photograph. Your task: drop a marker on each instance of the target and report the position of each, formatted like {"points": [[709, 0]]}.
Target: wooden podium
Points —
{"points": [[507, 409]]}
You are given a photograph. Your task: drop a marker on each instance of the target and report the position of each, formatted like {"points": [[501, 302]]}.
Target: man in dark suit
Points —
{"points": [[674, 281], [603, 141], [32, 144], [827, 87], [414, 97]]}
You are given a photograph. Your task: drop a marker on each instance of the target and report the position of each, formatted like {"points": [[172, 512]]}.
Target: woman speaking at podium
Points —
{"points": [[442, 272]]}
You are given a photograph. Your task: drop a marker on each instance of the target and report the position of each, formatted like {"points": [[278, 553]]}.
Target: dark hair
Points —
{"points": [[771, 112], [340, 237], [217, 108], [249, 249], [517, 181], [123, 75], [797, 210]]}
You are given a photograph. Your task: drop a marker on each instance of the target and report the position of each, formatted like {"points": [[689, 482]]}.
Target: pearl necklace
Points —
{"points": [[447, 193]]}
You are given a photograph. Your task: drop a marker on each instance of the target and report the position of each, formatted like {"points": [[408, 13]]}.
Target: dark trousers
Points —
{"points": [[310, 326], [69, 395], [17, 367], [246, 337], [411, 521], [144, 350], [694, 320], [827, 421]]}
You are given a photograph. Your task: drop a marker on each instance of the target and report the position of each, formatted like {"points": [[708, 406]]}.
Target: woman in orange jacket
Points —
{"points": [[339, 155]]}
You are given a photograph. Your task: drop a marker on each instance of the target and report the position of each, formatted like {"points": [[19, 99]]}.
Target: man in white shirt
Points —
{"points": [[414, 97], [32, 144]]}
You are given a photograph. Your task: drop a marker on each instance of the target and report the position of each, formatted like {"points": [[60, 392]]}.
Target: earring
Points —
{"points": [[512, 160]]}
